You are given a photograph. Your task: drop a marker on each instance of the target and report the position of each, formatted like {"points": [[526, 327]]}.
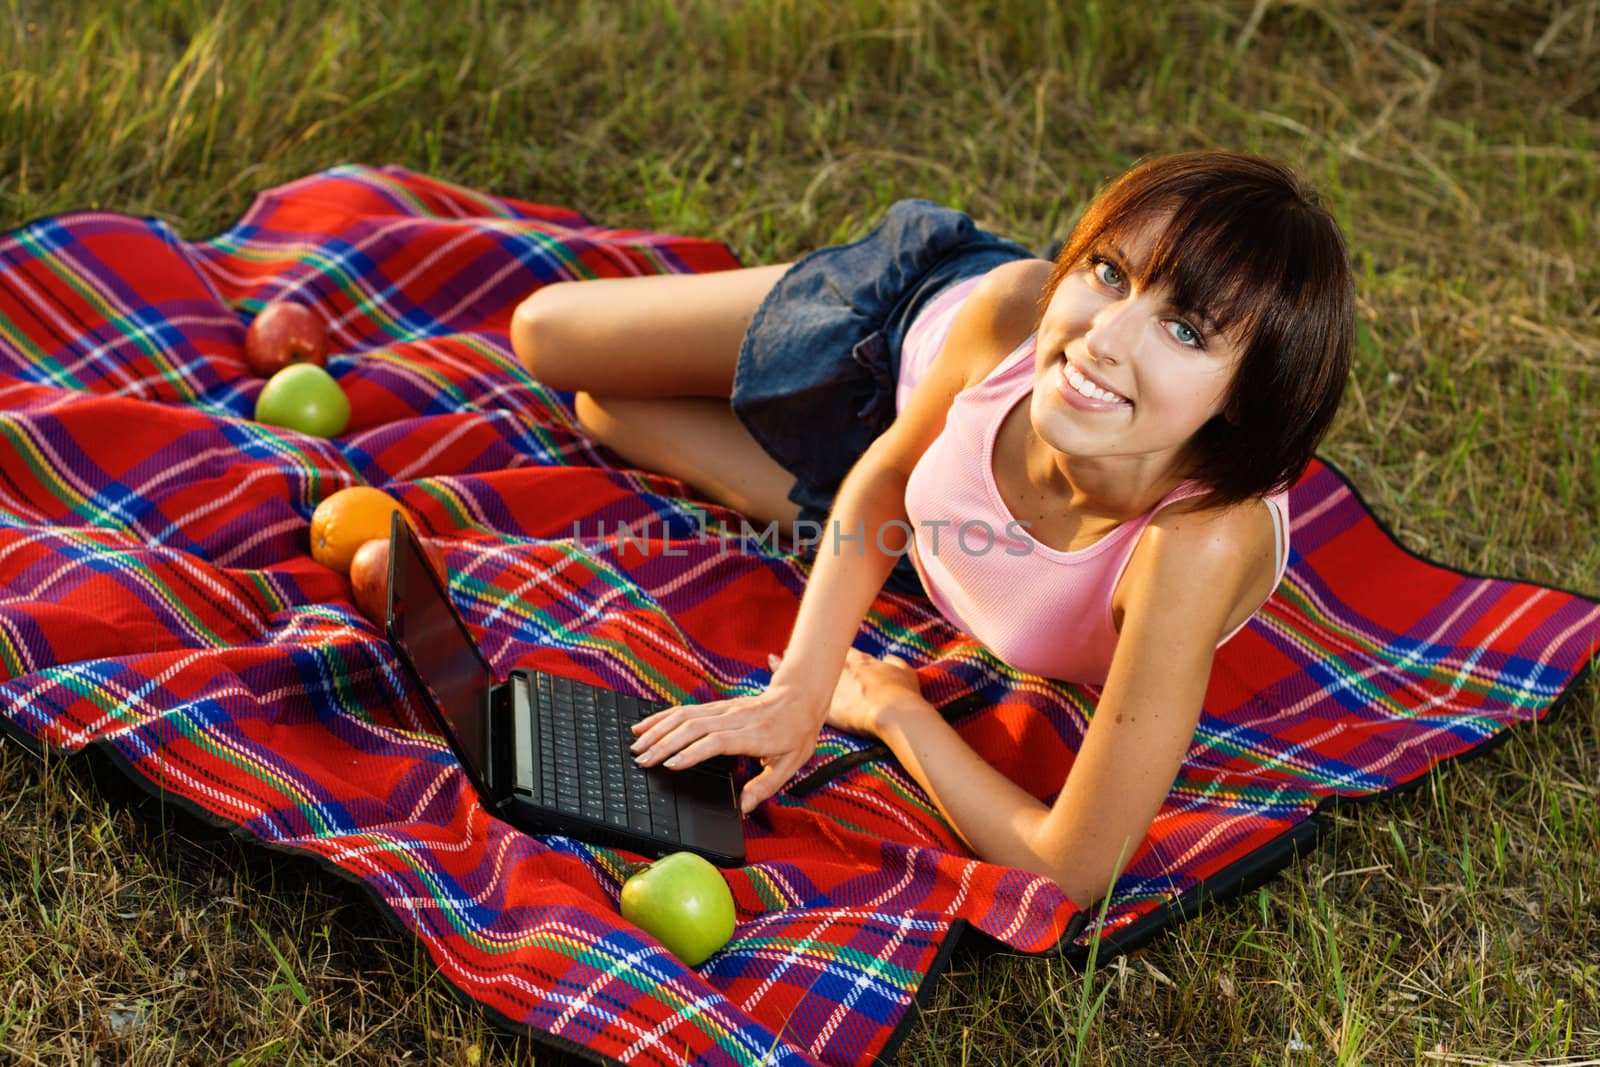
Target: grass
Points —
{"points": [[1459, 144]]}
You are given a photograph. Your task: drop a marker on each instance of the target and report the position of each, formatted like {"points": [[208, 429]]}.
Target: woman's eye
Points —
{"points": [[1185, 334], [1107, 273]]}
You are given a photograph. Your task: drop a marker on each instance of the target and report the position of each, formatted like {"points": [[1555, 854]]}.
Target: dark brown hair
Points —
{"points": [[1248, 247]]}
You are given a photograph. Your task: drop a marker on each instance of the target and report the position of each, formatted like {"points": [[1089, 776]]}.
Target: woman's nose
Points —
{"points": [[1110, 333]]}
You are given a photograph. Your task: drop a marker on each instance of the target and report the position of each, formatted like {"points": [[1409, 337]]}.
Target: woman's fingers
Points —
{"points": [[692, 751], [653, 728], [758, 790], [764, 786], [684, 736], [778, 726], [676, 729]]}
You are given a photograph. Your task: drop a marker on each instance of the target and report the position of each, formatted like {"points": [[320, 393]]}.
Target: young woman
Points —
{"points": [[1083, 463]]}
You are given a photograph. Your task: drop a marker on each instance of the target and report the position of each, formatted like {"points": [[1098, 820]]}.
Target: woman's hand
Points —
{"points": [[868, 689], [778, 725]]}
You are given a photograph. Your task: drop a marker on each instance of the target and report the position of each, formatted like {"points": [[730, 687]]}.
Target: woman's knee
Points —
{"points": [[592, 416], [541, 335]]}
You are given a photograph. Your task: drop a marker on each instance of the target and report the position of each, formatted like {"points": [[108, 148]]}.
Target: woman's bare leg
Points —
{"points": [[651, 361], [699, 440], [657, 335]]}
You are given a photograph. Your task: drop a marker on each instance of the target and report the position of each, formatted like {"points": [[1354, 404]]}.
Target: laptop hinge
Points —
{"points": [[502, 771]]}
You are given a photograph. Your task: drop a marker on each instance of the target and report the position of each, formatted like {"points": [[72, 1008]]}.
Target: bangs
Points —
{"points": [[1225, 260]]}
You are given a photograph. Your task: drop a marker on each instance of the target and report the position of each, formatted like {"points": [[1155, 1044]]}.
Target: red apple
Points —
{"points": [[283, 333], [369, 576]]}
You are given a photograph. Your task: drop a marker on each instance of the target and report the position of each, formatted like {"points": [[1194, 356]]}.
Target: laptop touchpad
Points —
{"points": [[708, 812]]}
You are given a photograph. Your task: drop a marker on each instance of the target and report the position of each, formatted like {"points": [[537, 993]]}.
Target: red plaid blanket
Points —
{"points": [[159, 602]]}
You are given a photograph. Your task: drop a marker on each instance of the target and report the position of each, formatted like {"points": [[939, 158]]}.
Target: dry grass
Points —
{"points": [[1459, 144]]}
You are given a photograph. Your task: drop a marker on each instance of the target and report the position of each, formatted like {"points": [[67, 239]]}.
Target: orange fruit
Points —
{"points": [[346, 520]]}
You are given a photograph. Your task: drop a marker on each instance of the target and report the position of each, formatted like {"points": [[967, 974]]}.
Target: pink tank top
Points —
{"points": [[1040, 609]]}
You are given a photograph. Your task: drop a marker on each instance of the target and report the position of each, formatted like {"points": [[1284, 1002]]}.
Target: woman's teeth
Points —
{"points": [[1091, 390]]}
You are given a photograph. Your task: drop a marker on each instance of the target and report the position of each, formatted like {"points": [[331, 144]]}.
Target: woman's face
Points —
{"points": [[1120, 373]]}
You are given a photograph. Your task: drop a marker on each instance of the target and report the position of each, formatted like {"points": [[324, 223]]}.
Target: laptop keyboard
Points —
{"points": [[584, 766]]}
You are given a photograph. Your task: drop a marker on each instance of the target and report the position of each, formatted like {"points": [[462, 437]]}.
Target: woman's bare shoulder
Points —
{"points": [[999, 313], [1191, 553], [1002, 310]]}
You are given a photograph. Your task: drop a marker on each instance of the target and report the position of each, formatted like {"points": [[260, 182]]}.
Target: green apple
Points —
{"points": [[683, 902], [304, 397]]}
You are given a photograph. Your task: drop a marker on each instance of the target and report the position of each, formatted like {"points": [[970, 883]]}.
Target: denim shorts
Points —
{"points": [[815, 381]]}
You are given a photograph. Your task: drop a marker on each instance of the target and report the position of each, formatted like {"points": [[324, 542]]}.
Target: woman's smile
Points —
{"points": [[1082, 390]]}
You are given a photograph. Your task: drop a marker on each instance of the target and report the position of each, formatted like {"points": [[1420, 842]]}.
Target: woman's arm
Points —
{"points": [[1183, 583], [780, 724]]}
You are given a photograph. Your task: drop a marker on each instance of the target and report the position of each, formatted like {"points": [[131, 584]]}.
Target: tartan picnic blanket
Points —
{"points": [[158, 602]]}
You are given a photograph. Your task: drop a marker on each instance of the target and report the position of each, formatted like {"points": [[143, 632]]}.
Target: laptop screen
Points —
{"points": [[446, 659]]}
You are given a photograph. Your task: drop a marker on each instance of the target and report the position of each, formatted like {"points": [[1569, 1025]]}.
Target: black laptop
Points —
{"points": [[549, 754]]}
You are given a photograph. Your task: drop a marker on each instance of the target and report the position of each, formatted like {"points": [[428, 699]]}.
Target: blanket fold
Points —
{"points": [[158, 601]]}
